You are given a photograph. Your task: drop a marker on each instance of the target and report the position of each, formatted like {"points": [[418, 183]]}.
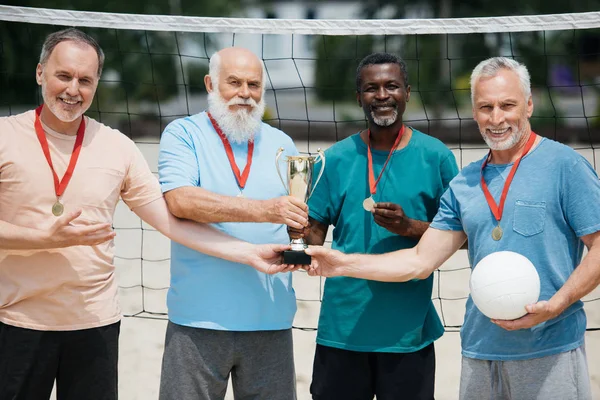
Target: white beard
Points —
{"points": [[385, 121], [238, 126]]}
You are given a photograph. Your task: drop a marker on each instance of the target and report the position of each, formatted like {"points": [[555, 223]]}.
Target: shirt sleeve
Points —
{"points": [[580, 191], [448, 170], [319, 204], [448, 215], [177, 159], [140, 186]]}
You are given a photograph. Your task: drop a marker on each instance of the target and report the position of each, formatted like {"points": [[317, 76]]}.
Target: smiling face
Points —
{"points": [[69, 79], [501, 110], [382, 93], [235, 93]]}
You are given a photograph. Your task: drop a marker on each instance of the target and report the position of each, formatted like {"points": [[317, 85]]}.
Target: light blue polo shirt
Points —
{"points": [[553, 200], [208, 292]]}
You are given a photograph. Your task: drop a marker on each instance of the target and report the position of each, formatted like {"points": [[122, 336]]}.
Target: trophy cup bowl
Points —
{"points": [[299, 183]]}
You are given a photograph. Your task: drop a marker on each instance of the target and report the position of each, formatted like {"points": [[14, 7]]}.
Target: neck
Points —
{"points": [[383, 137], [52, 122], [511, 155]]}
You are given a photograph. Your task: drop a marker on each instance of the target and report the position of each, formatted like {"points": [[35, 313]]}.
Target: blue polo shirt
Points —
{"points": [[208, 292], [552, 202]]}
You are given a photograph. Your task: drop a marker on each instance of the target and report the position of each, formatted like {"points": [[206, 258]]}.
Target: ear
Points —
{"points": [[38, 74], [208, 84], [530, 107], [358, 99], [407, 93]]}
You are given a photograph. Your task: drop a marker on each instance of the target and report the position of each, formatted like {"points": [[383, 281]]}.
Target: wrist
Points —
{"points": [[348, 265], [557, 304]]}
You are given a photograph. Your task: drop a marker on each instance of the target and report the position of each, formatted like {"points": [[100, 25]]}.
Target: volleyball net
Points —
{"points": [[154, 73]]}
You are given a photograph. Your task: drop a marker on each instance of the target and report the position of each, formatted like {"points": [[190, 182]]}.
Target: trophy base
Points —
{"points": [[296, 257]]}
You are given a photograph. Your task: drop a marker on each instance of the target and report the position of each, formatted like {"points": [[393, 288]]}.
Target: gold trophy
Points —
{"points": [[300, 177]]}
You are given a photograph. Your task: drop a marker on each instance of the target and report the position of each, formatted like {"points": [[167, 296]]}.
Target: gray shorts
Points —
{"points": [[197, 364], [562, 376]]}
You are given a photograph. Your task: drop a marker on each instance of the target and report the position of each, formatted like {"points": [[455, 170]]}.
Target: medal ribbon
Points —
{"points": [[59, 186], [372, 182], [497, 210], [243, 177]]}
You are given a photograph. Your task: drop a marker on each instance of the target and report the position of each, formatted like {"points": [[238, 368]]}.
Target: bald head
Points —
{"points": [[235, 92], [234, 63]]}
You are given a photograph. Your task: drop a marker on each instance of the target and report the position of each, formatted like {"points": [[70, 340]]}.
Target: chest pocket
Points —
{"points": [[529, 217]]}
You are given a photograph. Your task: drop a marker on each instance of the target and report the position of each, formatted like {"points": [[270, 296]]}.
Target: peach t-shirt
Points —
{"points": [[74, 287]]}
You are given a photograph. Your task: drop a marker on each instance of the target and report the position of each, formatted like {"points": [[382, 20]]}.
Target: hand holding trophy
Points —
{"points": [[299, 183]]}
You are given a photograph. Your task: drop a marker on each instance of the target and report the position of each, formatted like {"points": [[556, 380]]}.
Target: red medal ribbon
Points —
{"points": [[372, 182], [59, 186], [243, 177], [497, 210]]}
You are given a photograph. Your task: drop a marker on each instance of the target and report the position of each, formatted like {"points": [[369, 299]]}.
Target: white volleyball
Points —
{"points": [[503, 283]]}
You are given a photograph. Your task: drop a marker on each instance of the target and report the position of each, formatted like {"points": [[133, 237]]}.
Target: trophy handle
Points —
{"points": [[322, 155], [279, 153]]}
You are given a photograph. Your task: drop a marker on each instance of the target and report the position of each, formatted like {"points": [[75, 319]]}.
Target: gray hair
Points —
{"points": [[75, 35], [491, 67], [214, 66]]}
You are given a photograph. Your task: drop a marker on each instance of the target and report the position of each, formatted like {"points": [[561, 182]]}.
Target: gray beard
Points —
{"points": [[384, 121]]}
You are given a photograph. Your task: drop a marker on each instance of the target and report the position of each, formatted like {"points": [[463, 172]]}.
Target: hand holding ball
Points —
{"points": [[503, 283]]}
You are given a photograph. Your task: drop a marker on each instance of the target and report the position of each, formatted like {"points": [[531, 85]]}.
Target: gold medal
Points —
{"points": [[497, 233], [57, 208], [368, 204]]}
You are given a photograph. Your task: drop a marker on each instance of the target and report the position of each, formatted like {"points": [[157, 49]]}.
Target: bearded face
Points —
{"points": [[239, 118]]}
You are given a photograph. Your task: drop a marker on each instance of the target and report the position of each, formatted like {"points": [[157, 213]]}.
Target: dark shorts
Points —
{"points": [[352, 375], [83, 362]]}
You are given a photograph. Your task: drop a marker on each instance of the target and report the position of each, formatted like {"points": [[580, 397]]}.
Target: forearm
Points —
{"points": [[419, 262], [415, 228], [317, 233], [13, 237], [200, 237], [582, 281], [399, 266], [204, 206]]}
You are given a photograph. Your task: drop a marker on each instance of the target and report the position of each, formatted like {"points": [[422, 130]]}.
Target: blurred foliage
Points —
{"points": [[440, 65], [128, 53]]}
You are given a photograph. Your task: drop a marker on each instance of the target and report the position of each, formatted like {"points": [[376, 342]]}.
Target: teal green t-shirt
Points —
{"points": [[364, 315]]}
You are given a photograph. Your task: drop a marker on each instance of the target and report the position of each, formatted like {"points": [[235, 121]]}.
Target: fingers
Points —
{"points": [[68, 218], [384, 212], [278, 248], [386, 206], [95, 228], [317, 251], [298, 203], [291, 212], [383, 222], [96, 239]]}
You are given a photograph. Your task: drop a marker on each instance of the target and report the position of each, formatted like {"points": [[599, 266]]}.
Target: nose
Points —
{"points": [[497, 116], [73, 88], [381, 93], [244, 91]]}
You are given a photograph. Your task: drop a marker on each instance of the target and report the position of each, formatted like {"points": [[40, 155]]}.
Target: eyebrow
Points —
{"points": [[65, 72]]}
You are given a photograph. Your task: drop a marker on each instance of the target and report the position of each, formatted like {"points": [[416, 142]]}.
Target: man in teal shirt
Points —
{"points": [[380, 189]]}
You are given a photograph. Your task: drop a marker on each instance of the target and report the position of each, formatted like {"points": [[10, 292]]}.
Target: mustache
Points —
{"points": [[240, 101], [390, 104]]}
